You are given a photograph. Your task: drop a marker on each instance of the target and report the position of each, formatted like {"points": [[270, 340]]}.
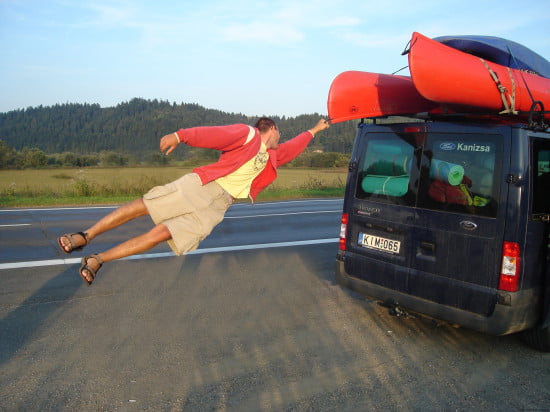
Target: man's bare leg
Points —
{"points": [[134, 246], [117, 217]]}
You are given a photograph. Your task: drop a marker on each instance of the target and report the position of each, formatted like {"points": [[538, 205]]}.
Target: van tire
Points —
{"points": [[538, 338]]}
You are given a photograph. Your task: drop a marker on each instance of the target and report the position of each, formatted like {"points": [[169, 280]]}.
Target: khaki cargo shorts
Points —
{"points": [[189, 209]]}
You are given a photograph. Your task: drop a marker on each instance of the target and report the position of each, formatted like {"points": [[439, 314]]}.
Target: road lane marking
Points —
{"points": [[283, 214], [72, 261], [116, 206], [237, 217], [45, 209]]}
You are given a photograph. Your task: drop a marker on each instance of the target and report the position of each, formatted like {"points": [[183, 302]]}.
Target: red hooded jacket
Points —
{"points": [[237, 148]]}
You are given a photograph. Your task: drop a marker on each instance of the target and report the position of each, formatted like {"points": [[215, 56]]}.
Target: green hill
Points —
{"points": [[135, 127]]}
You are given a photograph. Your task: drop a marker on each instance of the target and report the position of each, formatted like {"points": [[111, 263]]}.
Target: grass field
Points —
{"points": [[116, 185]]}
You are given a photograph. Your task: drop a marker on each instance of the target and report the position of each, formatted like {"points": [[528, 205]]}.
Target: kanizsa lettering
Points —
{"points": [[472, 148], [463, 147]]}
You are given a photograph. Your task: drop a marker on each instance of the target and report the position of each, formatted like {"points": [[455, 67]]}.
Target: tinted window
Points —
{"points": [[541, 178], [460, 174], [388, 169], [448, 172]]}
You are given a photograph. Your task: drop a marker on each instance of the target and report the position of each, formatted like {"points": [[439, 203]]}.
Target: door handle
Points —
{"points": [[468, 225]]}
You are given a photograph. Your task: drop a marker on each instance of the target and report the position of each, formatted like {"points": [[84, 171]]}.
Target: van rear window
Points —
{"points": [[386, 170], [450, 172], [461, 174], [541, 178]]}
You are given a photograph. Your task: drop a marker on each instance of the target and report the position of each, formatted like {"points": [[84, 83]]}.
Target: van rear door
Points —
{"points": [[380, 200], [459, 226], [427, 213], [537, 253]]}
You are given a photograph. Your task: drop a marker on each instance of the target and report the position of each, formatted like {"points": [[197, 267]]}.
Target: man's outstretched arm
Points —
{"points": [[320, 126], [290, 149], [209, 137]]}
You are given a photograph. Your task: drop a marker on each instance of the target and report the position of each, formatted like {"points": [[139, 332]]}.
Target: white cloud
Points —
{"points": [[340, 21], [272, 33], [288, 22], [109, 15], [375, 40]]}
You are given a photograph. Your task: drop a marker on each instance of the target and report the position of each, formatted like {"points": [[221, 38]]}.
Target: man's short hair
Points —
{"points": [[264, 124]]}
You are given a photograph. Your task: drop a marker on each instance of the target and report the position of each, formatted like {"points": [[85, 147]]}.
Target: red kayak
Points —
{"points": [[356, 95], [449, 76]]}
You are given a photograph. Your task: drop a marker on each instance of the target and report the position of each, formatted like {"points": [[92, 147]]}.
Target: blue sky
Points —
{"points": [[255, 57]]}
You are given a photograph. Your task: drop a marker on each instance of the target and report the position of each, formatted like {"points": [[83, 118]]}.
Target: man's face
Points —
{"points": [[274, 138]]}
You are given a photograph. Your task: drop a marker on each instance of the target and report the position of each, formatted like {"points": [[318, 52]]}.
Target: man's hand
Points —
{"points": [[321, 125], [168, 143]]}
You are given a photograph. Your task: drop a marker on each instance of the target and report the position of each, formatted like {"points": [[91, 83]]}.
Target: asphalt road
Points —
{"points": [[253, 321]]}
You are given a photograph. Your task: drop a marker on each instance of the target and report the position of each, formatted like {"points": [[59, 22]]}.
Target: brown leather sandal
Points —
{"points": [[72, 244], [91, 271]]}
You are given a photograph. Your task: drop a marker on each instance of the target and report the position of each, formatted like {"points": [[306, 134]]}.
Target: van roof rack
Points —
{"points": [[536, 117]]}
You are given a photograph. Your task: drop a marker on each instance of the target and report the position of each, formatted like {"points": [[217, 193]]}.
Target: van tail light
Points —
{"points": [[343, 230], [510, 269]]}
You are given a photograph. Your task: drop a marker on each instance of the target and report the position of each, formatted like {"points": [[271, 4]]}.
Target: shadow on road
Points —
{"points": [[20, 325]]}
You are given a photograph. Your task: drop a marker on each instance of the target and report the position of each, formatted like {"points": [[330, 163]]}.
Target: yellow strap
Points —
{"points": [[509, 107], [512, 97]]}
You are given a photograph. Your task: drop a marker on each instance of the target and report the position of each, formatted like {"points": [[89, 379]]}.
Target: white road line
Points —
{"points": [[237, 217], [57, 208], [72, 261], [283, 214], [115, 206]]}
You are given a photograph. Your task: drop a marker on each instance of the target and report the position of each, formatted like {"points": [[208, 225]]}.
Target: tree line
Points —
{"points": [[88, 135], [34, 158]]}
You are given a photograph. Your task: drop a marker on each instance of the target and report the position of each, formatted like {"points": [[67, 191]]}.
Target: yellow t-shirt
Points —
{"points": [[238, 183]]}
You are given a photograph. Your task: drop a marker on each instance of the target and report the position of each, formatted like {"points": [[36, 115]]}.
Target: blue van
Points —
{"points": [[451, 220]]}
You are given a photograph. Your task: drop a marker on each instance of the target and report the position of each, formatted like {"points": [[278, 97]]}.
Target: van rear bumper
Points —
{"points": [[521, 310]]}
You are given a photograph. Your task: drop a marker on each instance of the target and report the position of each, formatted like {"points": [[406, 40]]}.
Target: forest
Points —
{"points": [[82, 135]]}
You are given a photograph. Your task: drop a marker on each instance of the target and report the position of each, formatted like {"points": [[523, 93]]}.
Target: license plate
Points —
{"points": [[379, 243]]}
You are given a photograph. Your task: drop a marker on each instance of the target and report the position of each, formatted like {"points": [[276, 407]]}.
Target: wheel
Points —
{"points": [[538, 338]]}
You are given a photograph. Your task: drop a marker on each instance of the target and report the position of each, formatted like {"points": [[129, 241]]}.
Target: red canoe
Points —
{"points": [[356, 95], [451, 77]]}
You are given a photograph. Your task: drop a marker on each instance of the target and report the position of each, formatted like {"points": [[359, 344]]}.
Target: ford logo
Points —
{"points": [[447, 146]]}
